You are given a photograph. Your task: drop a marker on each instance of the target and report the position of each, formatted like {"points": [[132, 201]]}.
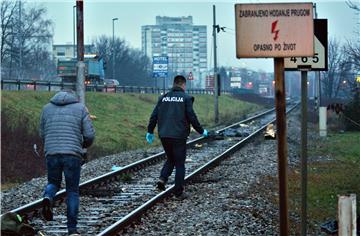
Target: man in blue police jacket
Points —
{"points": [[174, 113]]}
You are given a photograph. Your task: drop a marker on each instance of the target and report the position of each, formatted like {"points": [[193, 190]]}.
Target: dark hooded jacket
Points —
{"points": [[65, 125], [174, 113]]}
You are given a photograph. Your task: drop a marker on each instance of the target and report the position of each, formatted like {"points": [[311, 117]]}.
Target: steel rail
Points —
{"points": [[34, 208], [136, 214]]}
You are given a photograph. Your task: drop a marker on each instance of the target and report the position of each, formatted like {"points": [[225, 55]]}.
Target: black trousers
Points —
{"points": [[175, 150]]}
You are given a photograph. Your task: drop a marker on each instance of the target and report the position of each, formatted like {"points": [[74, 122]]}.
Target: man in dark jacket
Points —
{"points": [[174, 113], [66, 129]]}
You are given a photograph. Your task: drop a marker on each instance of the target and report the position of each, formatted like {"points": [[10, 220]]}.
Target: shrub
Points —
{"points": [[18, 163], [352, 114]]}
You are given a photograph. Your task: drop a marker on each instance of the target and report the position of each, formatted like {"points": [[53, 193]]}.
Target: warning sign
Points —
{"points": [[190, 77], [274, 30], [319, 61]]}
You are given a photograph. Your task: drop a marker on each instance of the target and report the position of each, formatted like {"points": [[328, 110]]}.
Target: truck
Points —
{"points": [[94, 70]]}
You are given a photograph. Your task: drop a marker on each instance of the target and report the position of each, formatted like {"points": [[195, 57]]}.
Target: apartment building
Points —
{"points": [[184, 43]]}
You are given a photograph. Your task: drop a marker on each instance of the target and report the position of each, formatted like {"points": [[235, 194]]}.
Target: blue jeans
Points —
{"points": [[175, 150], [70, 165]]}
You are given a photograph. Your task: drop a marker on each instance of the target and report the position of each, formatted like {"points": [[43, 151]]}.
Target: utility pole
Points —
{"points": [[80, 83], [74, 32], [20, 43], [216, 95], [80, 29], [113, 48]]}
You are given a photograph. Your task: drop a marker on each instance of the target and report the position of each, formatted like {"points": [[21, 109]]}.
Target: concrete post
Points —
{"points": [[322, 121], [347, 215], [80, 81]]}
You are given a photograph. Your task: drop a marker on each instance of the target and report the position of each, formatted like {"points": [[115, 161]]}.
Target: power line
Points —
{"points": [[227, 28], [229, 33]]}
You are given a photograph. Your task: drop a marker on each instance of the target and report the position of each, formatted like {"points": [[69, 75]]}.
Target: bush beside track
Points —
{"points": [[121, 121]]}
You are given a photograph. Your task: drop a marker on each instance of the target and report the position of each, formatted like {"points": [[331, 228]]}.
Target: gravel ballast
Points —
{"points": [[225, 201]]}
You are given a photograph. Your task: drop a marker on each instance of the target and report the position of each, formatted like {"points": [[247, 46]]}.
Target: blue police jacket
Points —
{"points": [[174, 113]]}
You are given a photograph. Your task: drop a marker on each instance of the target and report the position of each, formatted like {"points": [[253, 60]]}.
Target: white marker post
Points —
{"points": [[276, 30], [347, 215]]}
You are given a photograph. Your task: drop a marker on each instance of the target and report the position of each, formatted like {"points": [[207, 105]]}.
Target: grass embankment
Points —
{"points": [[120, 124], [334, 169]]}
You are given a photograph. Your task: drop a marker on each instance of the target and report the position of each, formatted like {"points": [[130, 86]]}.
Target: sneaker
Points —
{"points": [[46, 210], [75, 233], [181, 196], [161, 185]]}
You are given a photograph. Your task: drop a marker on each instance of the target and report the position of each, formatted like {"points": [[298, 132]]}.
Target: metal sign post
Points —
{"points": [[304, 88], [276, 30], [319, 62], [280, 107]]}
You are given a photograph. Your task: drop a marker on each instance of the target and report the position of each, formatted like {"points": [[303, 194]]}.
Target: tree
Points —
{"points": [[353, 48], [8, 11], [131, 65], [353, 52], [353, 5], [25, 35], [339, 69]]}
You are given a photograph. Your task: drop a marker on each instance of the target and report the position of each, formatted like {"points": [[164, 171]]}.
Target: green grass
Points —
{"points": [[342, 147], [340, 175], [121, 119]]}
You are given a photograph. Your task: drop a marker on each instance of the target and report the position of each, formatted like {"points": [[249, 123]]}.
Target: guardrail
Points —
{"points": [[56, 86]]}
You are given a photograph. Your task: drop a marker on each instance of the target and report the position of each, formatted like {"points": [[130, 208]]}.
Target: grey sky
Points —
{"points": [[132, 15]]}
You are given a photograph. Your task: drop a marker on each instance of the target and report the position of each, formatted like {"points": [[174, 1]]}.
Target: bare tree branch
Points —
{"points": [[131, 65], [7, 16], [340, 67], [352, 5], [28, 34]]}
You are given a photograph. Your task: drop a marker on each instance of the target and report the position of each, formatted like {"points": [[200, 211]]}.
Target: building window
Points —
{"points": [[60, 53]]}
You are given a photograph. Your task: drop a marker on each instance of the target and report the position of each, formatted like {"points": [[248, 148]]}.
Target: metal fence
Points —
{"points": [[57, 86]]}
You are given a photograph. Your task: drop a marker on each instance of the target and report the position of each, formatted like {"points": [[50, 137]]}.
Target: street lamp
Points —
{"points": [[74, 9], [113, 40]]}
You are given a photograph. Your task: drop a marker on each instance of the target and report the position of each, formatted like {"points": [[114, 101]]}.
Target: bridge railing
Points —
{"points": [[37, 85]]}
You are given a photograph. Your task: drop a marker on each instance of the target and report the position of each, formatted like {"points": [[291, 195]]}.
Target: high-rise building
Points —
{"points": [[185, 45]]}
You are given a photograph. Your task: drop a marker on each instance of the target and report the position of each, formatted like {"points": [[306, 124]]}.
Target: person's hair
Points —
{"points": [[179, 80]]}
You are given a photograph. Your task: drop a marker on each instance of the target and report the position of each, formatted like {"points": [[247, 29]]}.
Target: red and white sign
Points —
{"points": [[190, 77], [319, 61], [274, 30]]}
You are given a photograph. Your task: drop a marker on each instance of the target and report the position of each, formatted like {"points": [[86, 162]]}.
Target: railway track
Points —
{"points": [[114, 200]]}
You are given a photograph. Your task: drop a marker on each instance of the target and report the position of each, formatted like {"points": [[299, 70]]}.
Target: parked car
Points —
{"points": [[109, 82], [110, 85]]}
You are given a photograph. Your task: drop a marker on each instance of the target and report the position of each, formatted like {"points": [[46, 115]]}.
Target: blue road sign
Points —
{"points": [[160, 66]]}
